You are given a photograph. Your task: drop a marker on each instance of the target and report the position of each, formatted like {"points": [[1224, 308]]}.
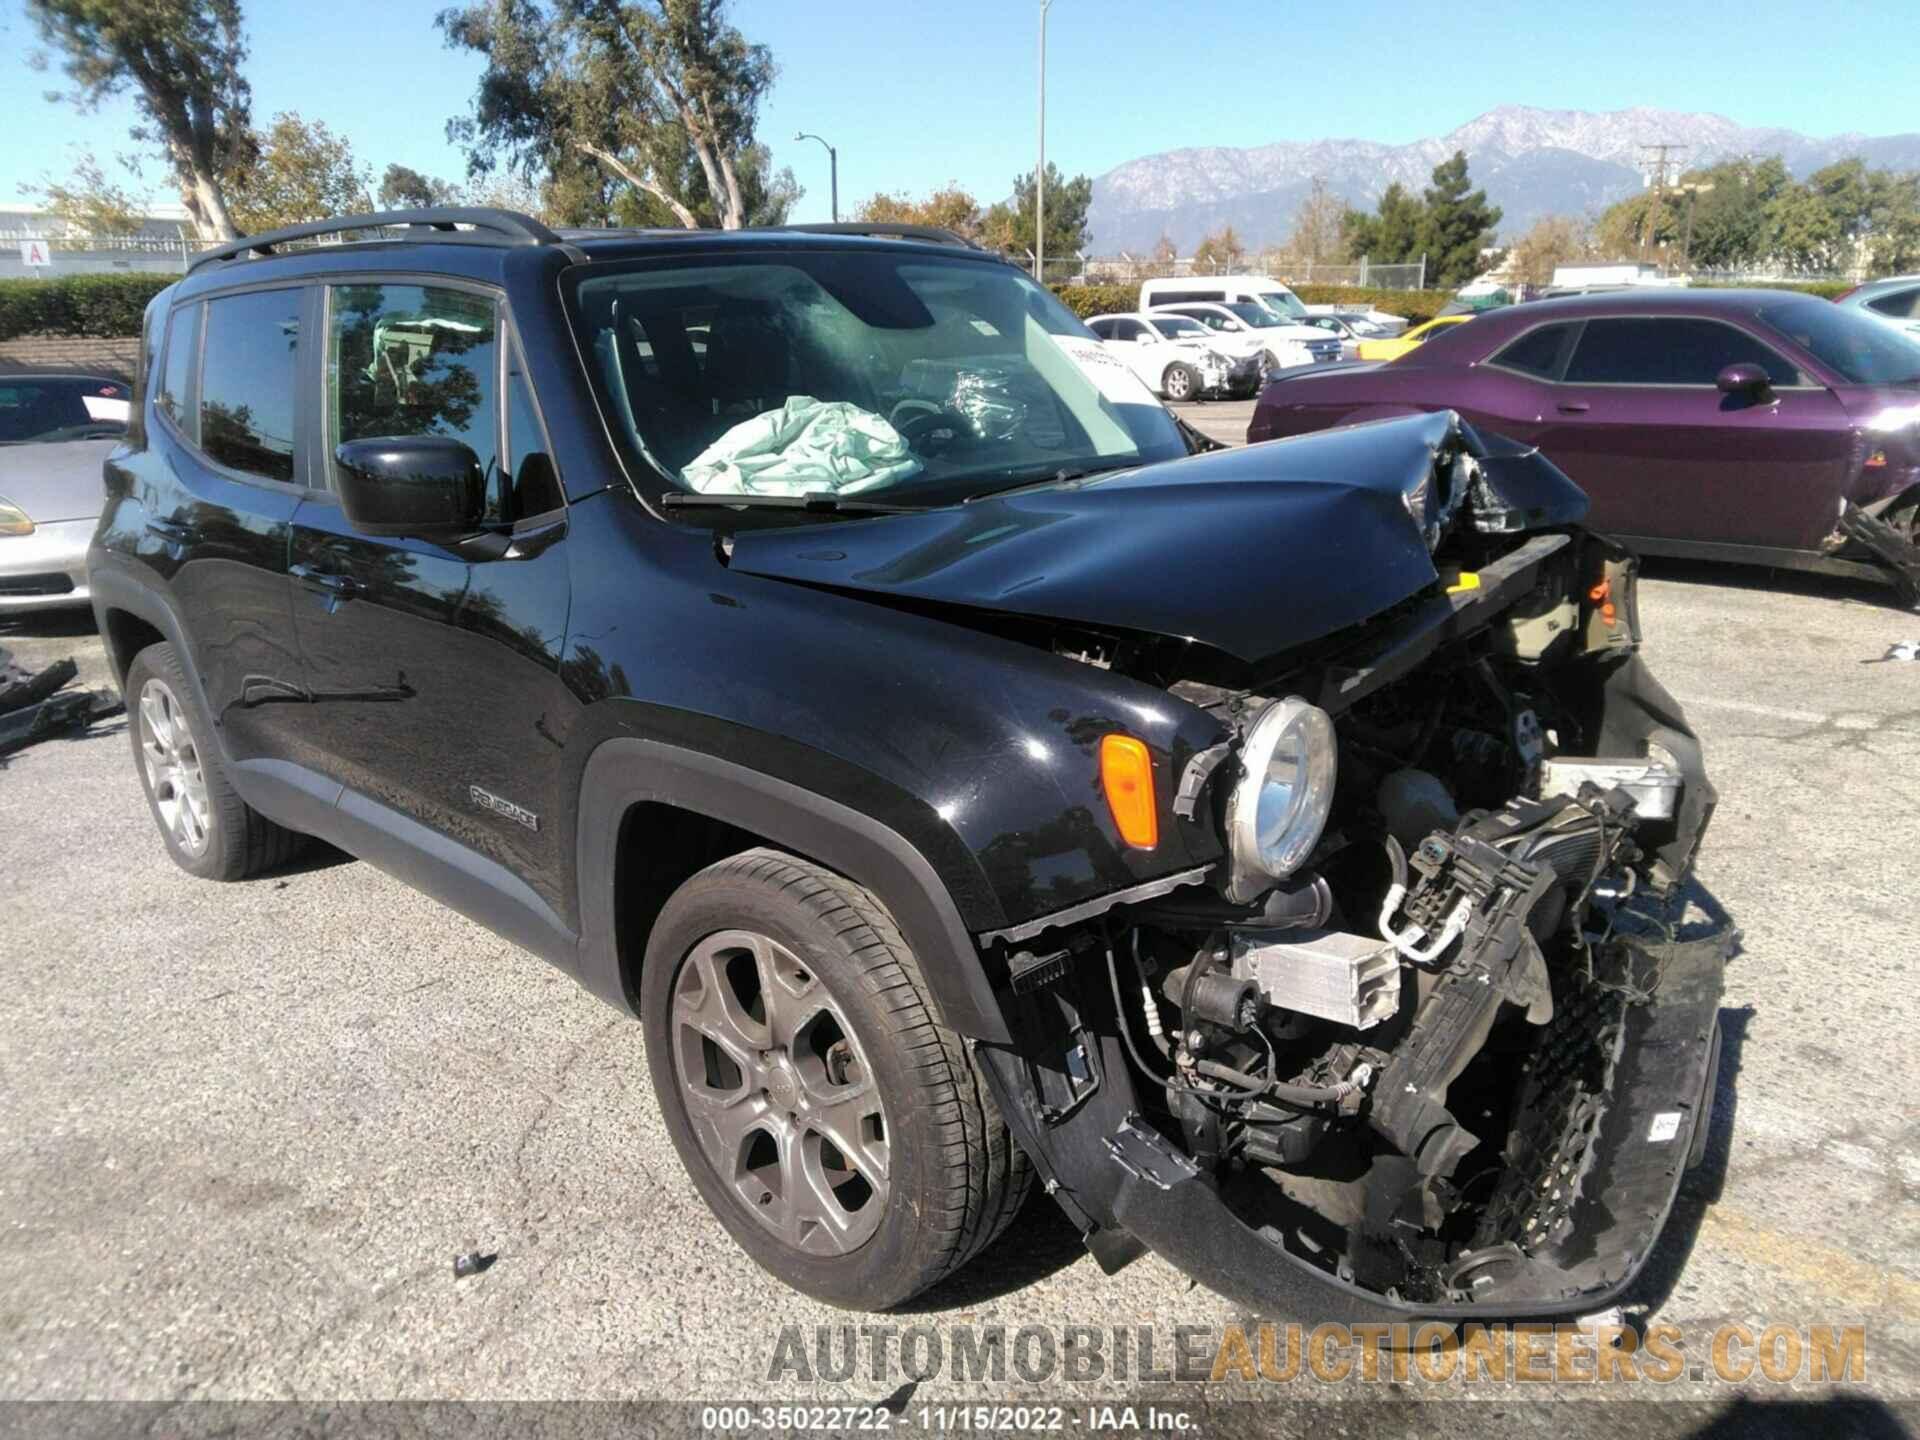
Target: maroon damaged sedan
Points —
{"points": [[1749, 425]]}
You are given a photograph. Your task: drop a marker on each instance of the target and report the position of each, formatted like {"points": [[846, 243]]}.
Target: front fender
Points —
{"points": [[623, 772]]}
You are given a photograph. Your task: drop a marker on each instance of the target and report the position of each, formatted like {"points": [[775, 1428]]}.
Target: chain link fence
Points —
{"points": [[1127, 269]]}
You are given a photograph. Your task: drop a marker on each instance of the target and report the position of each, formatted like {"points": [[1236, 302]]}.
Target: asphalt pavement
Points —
{"points": [[245, 1128]]}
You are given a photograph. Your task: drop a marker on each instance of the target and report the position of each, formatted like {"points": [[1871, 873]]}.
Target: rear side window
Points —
{"points": [[249, 364], [1538, 353], [176, 365], [1900, 305], [1102, 328], [1668, 350]]}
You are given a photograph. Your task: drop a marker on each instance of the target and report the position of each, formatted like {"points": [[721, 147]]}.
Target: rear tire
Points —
{"points": [[1181, 382], [207, 828], [781, 1009]]}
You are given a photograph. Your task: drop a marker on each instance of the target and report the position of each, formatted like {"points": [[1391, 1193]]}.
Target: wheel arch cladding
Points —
{"points": [[628, 782]]}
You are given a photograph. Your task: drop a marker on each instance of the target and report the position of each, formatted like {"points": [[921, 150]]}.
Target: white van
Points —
{"points": [[1261, 290], [1263, 313], [1223, 290]]}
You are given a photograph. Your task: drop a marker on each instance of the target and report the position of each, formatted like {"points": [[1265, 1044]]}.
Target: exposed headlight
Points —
{"points": [[13, 520], [1279, 806]]}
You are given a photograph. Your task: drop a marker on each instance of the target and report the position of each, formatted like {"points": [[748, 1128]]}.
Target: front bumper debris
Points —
{"points": [[1129, 1188], [1863, 526]]}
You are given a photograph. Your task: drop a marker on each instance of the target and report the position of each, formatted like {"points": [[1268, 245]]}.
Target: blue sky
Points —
{"points": [[915, 94]]}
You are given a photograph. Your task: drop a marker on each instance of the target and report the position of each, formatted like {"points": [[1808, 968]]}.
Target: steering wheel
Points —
{"points": [[929, 429]]}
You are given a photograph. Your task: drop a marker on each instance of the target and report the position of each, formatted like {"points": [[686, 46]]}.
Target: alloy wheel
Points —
{"points": [[779, 1092], [174, 774], [1177, 386]]}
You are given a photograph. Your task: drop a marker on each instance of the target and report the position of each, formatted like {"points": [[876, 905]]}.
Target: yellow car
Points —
{"points": [[1400, 344]]}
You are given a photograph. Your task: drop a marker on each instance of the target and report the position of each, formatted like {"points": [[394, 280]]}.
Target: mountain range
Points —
{"points": [[1531, 162]]}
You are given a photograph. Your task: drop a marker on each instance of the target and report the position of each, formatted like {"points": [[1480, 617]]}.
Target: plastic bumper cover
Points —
{"points": [[47, 569]]}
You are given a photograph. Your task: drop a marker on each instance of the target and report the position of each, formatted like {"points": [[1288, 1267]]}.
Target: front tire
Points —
{"points": [[830, 1121], [208, 829], [1181, 382]]}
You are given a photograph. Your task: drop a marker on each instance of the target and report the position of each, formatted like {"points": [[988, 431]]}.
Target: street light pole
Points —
{"points": [[1040, 170], [833, 169]]}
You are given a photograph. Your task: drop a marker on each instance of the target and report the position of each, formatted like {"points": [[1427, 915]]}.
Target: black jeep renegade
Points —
{"points": [[809, 641]]}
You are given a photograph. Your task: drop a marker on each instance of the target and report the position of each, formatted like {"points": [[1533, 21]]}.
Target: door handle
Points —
{"points": [[341, 587], [1573, 407], [171, 531]]}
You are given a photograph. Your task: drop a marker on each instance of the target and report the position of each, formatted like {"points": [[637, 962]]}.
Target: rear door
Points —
{"points": [[1639, 423], [435, 670], [219, 485]]}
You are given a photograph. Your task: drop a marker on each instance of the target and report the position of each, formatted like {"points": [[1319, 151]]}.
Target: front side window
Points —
{"points": [[249, 367], [1283, 303], [1859, 350], [1668, 350], [1258, 316], [793, 372], [408, 360]]}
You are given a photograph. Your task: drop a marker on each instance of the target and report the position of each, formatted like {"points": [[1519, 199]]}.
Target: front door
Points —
{"points": [[1639, 423], [434, 670]]}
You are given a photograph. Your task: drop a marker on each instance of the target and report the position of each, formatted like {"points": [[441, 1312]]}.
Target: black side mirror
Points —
{"points": [[428, 486], [1744, 379]]}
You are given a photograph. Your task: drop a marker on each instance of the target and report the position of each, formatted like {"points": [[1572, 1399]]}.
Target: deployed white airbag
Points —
{"points": [[806, 445]]}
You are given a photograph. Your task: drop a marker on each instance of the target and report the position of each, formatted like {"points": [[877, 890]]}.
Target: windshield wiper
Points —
{"points": [[819, 503], [1059, 476]]}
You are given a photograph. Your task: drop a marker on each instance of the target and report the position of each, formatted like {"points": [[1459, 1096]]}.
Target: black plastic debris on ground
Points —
{"points": [[474, 1262], [37, 705]]}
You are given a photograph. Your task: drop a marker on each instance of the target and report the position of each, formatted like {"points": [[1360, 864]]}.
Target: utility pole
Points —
{"points": [[1040, 169], [1658, 156], [833, 170]]}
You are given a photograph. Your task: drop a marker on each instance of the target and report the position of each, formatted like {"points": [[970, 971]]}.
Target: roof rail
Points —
{"points": [[483, 227], [931, 233]]}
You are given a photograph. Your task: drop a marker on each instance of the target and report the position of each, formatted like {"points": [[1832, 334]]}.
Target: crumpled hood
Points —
{"points": [[1249, 551], [56, 482]]}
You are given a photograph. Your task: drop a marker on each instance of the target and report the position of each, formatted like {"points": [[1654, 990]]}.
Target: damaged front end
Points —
{"points": [[1429, 1040]]}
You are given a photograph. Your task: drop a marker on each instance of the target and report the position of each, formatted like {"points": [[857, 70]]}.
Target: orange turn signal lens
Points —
{"points": [[1126, 774]]}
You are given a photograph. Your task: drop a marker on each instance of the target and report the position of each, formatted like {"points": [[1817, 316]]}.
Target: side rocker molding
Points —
{"points": [[624, 772], [418, 856]]}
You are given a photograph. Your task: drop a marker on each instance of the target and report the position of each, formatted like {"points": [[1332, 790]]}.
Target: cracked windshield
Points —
{"points": [[920, 379]]}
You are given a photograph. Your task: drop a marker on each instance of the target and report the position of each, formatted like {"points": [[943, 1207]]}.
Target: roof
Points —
{"points": [[1648, 300], [496, 229]]}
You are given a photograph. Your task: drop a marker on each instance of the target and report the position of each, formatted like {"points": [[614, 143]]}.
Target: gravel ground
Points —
{"points": [[243, 1129]]}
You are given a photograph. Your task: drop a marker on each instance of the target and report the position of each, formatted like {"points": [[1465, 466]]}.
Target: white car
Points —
{"points": [[1349, 330], [1246, 329], [1368, 322], [1174, 356]]}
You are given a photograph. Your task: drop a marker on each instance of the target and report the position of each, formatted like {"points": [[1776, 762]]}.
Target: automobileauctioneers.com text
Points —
{"points": [[1329, 1354]]}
